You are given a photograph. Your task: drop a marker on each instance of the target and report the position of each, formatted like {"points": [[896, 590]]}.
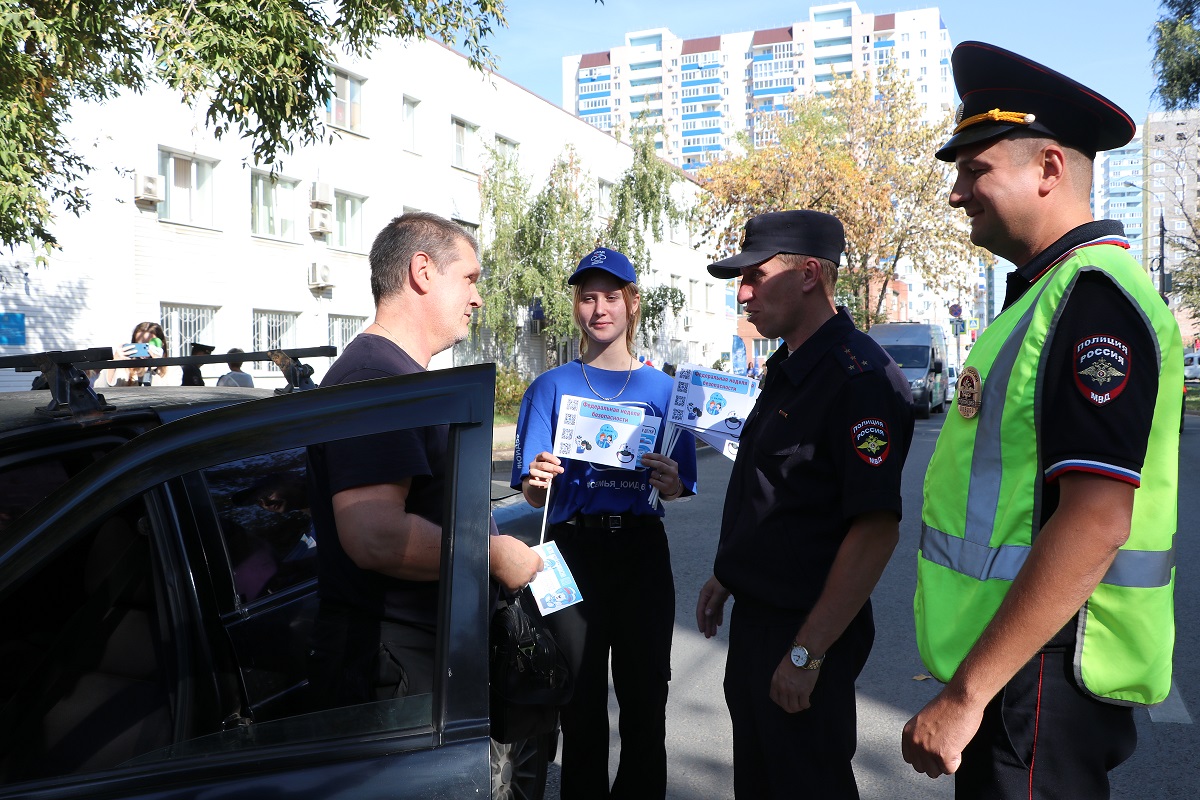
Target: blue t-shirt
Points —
{"points": [[587, 488]]}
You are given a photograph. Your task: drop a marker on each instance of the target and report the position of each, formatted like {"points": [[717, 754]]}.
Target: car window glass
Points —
{"points": [[262, 508]]}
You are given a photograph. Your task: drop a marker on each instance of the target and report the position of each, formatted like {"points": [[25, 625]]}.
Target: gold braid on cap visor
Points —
{"points": [[996, 115]]}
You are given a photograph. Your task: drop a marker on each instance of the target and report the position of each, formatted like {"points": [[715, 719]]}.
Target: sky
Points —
{"points": [[1104, 44]]}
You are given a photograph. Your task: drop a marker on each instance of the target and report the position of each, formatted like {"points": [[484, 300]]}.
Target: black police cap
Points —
{"points": [[1003, 92], [809, 233]]}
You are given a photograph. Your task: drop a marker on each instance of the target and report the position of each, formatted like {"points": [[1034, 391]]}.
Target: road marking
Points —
{"points": [[1172, 709]]}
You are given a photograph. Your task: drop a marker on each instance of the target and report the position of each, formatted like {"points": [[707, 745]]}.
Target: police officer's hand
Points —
{"points": [[710, 608], [933, 740], [513, 563], [543, 469], [791, 686], [664, 475]]}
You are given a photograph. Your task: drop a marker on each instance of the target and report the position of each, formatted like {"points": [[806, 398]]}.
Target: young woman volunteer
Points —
{"points": [[611, 538]]}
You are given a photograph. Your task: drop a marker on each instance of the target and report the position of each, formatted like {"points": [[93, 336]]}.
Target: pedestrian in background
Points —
{"points": [[191, 372], [1045, 575], [612, 539], [235, 376], [811, 515], [148, 333]]}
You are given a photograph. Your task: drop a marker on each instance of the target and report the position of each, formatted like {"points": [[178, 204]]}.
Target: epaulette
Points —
{"points": [[854, 359]]}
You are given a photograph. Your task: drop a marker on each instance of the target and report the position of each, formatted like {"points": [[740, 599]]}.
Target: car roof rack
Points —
{"points": [[72, 394]]}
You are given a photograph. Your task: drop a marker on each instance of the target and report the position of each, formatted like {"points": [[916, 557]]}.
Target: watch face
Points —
{"points": [[799, 656]]}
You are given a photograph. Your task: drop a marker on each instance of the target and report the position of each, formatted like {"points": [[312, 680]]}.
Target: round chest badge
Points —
{"points": [[1102, 366], [969, 395]]}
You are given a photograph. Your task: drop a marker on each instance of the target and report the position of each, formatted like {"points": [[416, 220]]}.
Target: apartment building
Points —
{"points": [[190, 230], [1118, 191], [705, 90]]}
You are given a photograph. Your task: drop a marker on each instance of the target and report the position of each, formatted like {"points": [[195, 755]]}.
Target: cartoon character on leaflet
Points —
{"points": [[716, 401], [562, 596], [624, 455], [606, 435], [694, 411], [582, 445], [733, 422]]}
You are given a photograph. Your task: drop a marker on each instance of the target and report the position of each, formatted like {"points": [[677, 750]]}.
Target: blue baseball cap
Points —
{"points": [[610, 261]]}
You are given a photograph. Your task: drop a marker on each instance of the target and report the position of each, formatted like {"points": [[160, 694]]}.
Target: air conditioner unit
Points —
{"points": [[321, 194], [320, 220], [147, 188], [320, 275]]}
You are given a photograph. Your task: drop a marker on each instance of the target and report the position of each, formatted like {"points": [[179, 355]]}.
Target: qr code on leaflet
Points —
{"points": [[570, 419], [564, 448], [685, 374], [680, 400], [681, 387], [676, 415], [572, 405]]}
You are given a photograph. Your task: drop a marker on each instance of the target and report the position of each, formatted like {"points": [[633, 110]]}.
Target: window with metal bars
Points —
{"points": [[186, 324], [274, 330]]}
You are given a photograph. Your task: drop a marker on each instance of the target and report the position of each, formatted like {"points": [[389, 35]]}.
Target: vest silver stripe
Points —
{"points": [[983, 493], [1142, 569]]}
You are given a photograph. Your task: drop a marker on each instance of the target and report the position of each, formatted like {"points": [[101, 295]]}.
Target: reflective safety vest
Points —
{"points": [[983, 497]]}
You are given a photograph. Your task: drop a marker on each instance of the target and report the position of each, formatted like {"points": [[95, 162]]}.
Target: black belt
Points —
{"points": [[612, 522]]}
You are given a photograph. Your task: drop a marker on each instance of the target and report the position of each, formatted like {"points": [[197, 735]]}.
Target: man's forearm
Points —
{"points": [[859, 562]]}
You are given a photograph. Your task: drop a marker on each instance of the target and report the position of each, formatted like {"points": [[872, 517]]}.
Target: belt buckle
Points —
{"points": [[614, 521]]}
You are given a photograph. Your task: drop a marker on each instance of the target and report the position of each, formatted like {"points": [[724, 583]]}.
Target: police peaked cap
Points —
{"points": [[808, 233], [1003, 92]]}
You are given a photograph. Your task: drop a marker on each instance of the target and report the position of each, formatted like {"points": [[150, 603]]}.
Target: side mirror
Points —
{"points": [[938, 366]]}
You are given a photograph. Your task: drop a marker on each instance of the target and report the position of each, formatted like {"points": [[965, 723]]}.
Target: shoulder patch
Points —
{"points": [[1101, 365], [871, 441], [854, 360]]}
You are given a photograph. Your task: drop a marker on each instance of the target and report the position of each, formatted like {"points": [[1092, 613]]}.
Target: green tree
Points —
{"points": [[641, 204], [864, 155], [531, 244], [257, 67], [1176, 40]]}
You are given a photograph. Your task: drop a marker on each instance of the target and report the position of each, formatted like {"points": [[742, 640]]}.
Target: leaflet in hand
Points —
{"points": [[708, 400], [553, 588], [600, 432]]}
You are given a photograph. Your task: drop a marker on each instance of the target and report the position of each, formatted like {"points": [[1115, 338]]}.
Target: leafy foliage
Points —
{"points": [[533, 240], [510, 388], [864, 155], [1177, 54], [260, 67]]}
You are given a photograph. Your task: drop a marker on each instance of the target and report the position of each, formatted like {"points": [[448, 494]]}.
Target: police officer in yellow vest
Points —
{"points": [[1046, 568]]}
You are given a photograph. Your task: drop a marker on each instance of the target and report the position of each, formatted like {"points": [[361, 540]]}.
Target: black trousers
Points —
{"points": [[782, 755], [628, 614], [1042, 738]]}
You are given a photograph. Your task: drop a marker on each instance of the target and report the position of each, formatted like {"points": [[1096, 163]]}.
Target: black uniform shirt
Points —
{"points": [[1087, 425], [825, 443]]}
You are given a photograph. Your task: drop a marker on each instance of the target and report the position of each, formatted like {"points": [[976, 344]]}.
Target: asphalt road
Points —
{"points": [[890, 689]]}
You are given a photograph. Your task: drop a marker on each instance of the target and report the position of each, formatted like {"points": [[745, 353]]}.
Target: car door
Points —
{"points": [[156, 674]]}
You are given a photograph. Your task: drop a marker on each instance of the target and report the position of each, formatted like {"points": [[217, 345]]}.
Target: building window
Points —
{"points": [[186, 324], [348, 231], [464, 135], [343, 109], [408, 125], [343, 329], [506, 148], [189, 189], [604, 198], [272, 206], [274, 330]]}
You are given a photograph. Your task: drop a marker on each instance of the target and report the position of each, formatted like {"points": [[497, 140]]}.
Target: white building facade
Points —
{"points": [[186, 229], [705, 90]]}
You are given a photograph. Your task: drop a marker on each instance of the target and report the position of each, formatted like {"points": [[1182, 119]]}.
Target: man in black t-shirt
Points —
{"points": [[811, 515], [377, 501]]}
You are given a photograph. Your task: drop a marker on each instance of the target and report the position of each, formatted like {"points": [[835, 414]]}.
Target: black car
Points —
{"points": [[157, 589]]}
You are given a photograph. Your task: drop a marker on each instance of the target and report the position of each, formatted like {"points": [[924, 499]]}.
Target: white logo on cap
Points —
{"points": [[599, 256]]}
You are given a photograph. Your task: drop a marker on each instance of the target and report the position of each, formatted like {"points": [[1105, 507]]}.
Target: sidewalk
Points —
{"points": [[503, 438]]}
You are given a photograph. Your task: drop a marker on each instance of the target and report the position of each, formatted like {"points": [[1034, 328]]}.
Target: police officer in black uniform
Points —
{"points": [[811, 515]]}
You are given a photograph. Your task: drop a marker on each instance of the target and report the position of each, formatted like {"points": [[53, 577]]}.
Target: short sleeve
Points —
{"points": [[535, 430], [1101, 381], [869, 443]]}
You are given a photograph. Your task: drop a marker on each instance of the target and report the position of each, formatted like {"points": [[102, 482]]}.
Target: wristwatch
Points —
{"points": [[802, 659]]}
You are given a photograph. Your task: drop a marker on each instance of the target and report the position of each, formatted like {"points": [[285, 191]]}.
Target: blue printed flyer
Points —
{"points": [[600, 432], [553, 588], [713, 402]]}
